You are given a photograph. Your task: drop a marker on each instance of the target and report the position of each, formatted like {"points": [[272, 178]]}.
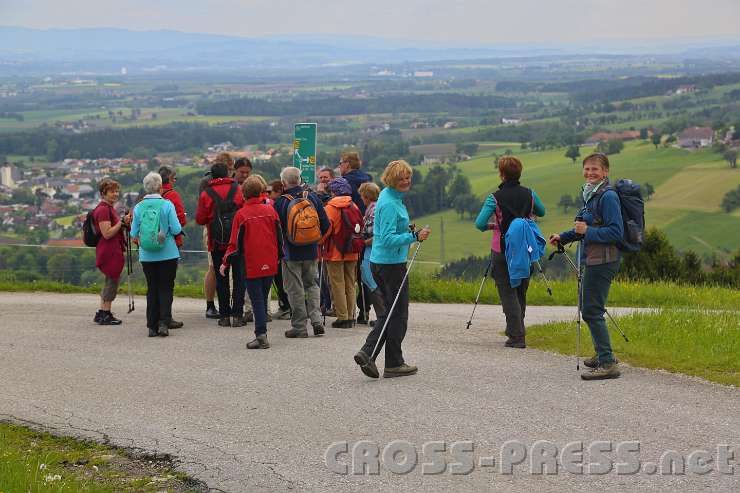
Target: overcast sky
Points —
{"points": [[464, 21]]}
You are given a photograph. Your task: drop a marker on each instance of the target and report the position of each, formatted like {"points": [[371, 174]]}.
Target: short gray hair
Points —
{"points": [[152, 182], [290, 176]]}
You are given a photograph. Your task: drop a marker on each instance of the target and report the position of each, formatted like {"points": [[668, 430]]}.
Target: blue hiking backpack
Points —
{"points": [[633, 213]]}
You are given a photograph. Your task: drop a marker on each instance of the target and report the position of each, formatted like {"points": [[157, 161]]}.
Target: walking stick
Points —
{"points": [[388, 314], [547, 281], [129, 270], [489, 267]]}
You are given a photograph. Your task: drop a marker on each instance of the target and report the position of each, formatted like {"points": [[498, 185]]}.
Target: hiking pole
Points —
{"points": [[129, 269], [616, 325], [321, 281], [547, 281], [388, 314], [480, 288], [580, 299]]}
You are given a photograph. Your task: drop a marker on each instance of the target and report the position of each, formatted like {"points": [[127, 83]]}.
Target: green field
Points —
{"points": [[694, 342], [689, 186]]}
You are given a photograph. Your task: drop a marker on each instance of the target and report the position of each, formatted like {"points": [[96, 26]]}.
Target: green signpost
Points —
{"points": [[304, 151]]}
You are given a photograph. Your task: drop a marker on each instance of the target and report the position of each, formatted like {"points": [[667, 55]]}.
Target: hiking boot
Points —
{"points": [[282, 314], [295, 333], [318, 329], [400, 371], [602, 372], [174, 324], [260, 342], [153, 332], [249, 316], [366, 364], [342, 324], [593, 361], [224, 322], [238, 321], [372, 323], [98, 316], [330, 312], [363, 319], [107, 318], [515, 342], [211, 312], [163, 330]]}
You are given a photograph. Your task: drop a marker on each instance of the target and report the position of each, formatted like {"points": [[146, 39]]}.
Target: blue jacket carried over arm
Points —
{"points": [[525, 245]]}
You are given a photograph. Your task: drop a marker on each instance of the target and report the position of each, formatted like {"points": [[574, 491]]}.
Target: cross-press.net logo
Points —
{"points": [[367, 457]]}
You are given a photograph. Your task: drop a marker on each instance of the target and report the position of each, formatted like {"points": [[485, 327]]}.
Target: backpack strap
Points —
{"points": [[597, 202], [222, 203]]}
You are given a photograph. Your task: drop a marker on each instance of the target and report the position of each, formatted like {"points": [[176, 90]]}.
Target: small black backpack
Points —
{"points": [[90, 234], [223, 217]]}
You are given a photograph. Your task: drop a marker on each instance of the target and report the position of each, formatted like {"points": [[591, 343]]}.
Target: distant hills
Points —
{"points": [[97, 50]]}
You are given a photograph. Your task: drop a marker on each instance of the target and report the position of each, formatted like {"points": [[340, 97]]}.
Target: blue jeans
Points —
{"points": [[597, 280], [259, 294]]}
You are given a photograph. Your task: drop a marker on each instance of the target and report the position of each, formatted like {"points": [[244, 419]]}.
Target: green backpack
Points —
{"points": [[151, 236]]}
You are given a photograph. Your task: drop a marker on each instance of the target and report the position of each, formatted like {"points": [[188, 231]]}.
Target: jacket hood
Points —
{"points": [[358, 175], [219, 181], [341, 202]]}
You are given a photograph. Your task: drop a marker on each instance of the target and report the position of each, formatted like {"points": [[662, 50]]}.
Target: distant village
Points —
{"points": [[58, 195]]}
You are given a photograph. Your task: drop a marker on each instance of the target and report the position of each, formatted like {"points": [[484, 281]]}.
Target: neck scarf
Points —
{"points": [[589, 190]]}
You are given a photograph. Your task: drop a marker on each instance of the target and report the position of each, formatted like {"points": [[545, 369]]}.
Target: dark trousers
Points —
{"points": [[160, 285], [282, 295], [363, 292], [513, 300], [597, 279], [325, 294], [259, 294], [389, 277], [225, 306]]}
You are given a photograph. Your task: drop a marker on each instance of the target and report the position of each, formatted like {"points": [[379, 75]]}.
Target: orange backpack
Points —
{"points": [[302, 221]]}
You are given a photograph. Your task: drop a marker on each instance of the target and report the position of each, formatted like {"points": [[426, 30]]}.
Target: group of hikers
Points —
{"points": [[341, 248]]}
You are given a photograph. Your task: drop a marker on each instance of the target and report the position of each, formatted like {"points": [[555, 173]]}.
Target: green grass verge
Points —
{"points": [[33, 462], [695, 342], [429, 290]]}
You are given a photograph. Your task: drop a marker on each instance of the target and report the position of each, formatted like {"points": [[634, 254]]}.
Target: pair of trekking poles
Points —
{"points": [[579, 276]]}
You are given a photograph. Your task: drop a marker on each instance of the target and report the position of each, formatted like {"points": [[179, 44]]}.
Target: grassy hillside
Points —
{"points": [[689, 186]]}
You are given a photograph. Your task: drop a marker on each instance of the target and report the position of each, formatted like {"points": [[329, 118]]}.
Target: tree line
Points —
{"points": [[657, 261], [57, 145], [396, 103]]}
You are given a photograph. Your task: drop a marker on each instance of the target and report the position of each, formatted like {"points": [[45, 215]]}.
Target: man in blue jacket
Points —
{"points": [[299, 263]]}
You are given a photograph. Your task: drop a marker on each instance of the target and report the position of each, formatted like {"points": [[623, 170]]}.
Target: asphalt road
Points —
{"points": [[262, 420]]}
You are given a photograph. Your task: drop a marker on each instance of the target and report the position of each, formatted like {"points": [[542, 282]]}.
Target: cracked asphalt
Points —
{"points": [[244, 420]]}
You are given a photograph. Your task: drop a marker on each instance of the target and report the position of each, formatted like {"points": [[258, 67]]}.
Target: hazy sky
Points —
{"points": [[465, 21]]}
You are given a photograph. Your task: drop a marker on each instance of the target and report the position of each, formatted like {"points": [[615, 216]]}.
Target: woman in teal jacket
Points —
{"points": [[392, 236], [158, 261]]}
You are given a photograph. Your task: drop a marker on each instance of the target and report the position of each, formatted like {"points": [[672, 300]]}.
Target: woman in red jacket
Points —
{"points": [[256, 236]]}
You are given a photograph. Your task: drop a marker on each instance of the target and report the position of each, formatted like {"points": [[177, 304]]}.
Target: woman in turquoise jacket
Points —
{"points": [[158, 254], [393, 234]]}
